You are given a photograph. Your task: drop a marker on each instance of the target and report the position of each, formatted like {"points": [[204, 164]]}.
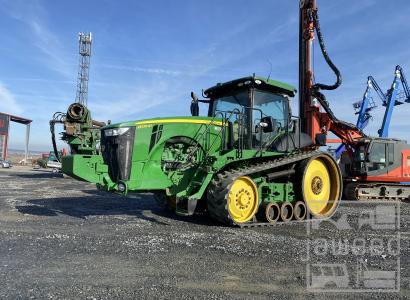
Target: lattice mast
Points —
{"points": [[84, 41]]}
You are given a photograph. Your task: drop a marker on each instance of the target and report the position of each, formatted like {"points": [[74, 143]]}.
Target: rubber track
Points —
{"points": [[350, 190], [219, 188]]}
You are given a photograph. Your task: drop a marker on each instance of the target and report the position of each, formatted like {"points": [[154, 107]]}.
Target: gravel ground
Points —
{"points": [[62, 239]]}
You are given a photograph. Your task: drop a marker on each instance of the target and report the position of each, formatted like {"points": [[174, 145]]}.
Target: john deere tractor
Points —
{"points": [[243, 163], [249, 161]]}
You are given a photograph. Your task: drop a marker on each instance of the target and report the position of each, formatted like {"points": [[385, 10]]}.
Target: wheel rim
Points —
{"points": [[321, 186], [243, 199]]}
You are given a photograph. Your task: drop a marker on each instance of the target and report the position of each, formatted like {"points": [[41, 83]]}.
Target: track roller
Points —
{"points": [[299, 211], [286, 212], [350, 191], [272, 212]]}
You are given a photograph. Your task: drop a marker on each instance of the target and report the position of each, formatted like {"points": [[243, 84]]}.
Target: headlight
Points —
{"points": [[122, 187], [116, 131]]}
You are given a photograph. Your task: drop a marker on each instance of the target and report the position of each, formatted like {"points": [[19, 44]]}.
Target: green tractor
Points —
{"points": [[243, 162], [248, 162]]}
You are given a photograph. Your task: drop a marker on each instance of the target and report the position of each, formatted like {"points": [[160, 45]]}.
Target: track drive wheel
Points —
{"points": [[236, 202], [321, 186]]}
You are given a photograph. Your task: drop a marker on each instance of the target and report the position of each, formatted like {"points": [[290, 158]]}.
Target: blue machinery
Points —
{"points": [[391, 99]]}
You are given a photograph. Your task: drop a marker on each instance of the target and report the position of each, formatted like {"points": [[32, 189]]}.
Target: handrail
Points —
{"points": [[221, 133]]}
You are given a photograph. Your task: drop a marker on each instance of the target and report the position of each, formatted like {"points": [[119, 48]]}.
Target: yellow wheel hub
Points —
{"points": [[243, 199], [321, 186]]}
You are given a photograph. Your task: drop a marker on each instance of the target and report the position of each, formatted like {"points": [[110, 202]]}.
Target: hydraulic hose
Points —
{"points": [[53, 139], [320, 86], [327, 58], [58, 117]]}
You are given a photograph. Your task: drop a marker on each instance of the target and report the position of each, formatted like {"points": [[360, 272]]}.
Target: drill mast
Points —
{"points": [[314, 122]]}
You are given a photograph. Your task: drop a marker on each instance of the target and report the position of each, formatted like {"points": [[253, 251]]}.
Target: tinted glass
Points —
{"points": [[224, 106], [377, 157], [272, 105], [230, 103]]}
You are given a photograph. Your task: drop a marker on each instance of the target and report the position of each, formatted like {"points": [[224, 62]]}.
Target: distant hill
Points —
{"points": [[31, 152]]}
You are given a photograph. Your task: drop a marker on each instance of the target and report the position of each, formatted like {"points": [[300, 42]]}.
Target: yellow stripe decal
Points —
{"points": [[188, 121]]}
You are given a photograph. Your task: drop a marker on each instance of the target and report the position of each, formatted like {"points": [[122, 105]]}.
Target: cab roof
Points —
{"points": [[254, 81], [380, 139]]}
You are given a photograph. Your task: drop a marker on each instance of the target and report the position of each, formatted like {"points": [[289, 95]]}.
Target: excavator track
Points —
{"points": [[377, 191], [220, 186]]}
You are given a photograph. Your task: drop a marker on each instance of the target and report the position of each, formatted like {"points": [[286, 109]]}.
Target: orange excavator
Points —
{"points": [[373, 167]]}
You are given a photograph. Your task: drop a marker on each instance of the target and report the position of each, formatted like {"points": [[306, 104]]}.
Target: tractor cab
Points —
{"points": [[257, 110]]}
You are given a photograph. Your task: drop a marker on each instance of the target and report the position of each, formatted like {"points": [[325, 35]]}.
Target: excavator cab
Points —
{"points": [[377, 156]]}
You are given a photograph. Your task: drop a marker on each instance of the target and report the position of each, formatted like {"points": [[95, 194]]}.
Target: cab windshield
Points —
{"points": [[231, 103], [270, 104], [240, 108]]}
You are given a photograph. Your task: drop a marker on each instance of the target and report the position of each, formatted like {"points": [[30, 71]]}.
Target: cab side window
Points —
{"points": [[377, 157], [272, 105]]}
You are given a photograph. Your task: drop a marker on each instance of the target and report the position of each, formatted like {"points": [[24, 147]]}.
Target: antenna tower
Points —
{"points": [[84, 43]]}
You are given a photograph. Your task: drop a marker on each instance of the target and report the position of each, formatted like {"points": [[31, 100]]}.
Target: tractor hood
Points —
{"points": [[168, 120]]}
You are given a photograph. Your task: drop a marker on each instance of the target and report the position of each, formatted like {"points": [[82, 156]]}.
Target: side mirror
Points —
{"points": [[194, 105], [268, 124]]}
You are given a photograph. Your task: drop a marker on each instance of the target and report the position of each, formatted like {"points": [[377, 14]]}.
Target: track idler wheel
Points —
{"points": [[286, 212], [299, 211], [236, 202], [243, 199], [321, 185], [272, 212]]}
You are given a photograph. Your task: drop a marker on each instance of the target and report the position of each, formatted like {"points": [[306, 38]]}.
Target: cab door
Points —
{"points": [[377, 159], [268, 104], [384, 160], [398, 160], [393, 160]]}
